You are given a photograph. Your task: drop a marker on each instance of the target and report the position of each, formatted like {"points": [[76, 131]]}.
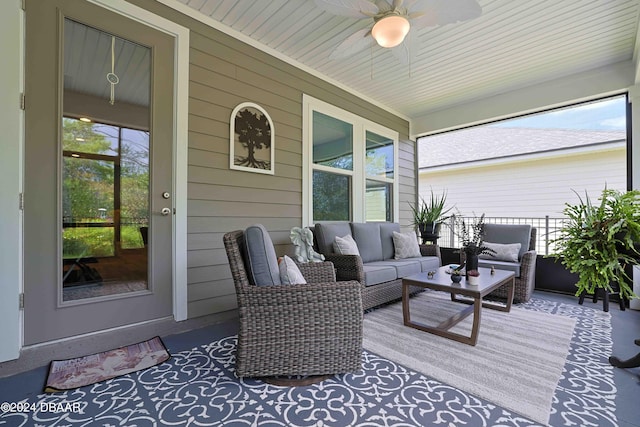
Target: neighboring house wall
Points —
{"points": [[223, 73], [527, 188]]}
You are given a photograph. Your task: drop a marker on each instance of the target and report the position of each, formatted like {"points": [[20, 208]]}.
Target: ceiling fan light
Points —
{"points": [[390, 31]]}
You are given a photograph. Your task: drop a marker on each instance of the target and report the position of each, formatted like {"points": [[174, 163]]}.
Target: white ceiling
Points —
{"points": [[513, 44]]}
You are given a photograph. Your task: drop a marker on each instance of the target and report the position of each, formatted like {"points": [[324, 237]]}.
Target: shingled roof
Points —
{"points": [[483, 143]]}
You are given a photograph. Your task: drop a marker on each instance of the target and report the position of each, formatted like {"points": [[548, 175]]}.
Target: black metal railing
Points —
{"points": [[547, 230]]}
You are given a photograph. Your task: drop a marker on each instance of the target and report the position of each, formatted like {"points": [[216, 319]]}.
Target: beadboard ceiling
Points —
{"points": [[513, 44]]}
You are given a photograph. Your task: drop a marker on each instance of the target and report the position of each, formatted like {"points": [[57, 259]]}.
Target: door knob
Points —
{"points": [[165, 211]]}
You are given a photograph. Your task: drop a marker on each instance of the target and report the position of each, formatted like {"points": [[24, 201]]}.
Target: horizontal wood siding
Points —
{"points": [[530, 188], [223, 73]]}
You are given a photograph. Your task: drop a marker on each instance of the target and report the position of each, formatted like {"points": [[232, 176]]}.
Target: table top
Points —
{"points": [[441, 281]]}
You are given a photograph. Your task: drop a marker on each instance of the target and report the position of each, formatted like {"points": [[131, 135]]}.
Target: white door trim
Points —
{"points": [[11, 179], [180, 140]]}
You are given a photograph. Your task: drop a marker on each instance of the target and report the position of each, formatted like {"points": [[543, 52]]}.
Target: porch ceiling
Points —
{"points": [[513, 44]]}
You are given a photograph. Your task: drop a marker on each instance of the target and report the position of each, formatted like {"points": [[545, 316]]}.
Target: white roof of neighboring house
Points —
{"points": [[482, 143]]}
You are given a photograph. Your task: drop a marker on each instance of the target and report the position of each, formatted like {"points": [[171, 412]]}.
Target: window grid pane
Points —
{"points": [[379, 201], [332, 142], [331, 196]]}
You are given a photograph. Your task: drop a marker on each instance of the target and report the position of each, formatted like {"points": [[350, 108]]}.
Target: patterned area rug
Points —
{"points": [[198, 388]]}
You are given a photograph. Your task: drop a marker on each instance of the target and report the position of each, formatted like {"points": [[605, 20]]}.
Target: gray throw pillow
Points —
{"points": [[406, 245], [345, 245], [504, 252]]}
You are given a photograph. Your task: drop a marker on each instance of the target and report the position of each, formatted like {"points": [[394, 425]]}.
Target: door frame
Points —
{"points": [[12, 176]]}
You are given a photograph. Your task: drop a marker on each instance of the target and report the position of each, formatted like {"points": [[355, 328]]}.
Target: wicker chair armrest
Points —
{"points": [[431, 250], [348, 267], [529, 258], [281, 308], [318, 272]]}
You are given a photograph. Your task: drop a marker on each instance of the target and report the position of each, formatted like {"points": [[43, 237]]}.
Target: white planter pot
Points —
{"points": [[473, 280]]}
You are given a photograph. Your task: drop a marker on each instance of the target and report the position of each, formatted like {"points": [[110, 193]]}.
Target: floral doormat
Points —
{"points": [[73, 373]]}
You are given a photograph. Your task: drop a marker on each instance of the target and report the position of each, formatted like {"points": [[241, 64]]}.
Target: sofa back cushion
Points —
{"points": [[326, 232], [509, 233], [260, 257], [386, 238], [367, 237]]}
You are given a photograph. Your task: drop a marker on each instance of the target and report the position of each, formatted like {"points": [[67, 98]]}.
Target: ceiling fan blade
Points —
{"points": [[356, 42], [350, 8], [383, 5], [441, 12]]}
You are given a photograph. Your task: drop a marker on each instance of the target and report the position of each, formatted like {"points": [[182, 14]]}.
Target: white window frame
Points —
{"points": [[358, 175]]}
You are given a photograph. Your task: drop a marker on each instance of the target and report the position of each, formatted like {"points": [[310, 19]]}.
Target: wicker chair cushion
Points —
{"points": [[509, 233], [374, 274], [404, 267], [260, 257], [502, 251], [501, 265], [367, 237], [386, 238], [325, 235]]}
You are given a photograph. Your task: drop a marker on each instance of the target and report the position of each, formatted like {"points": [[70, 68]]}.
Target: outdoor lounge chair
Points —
{"points": [[294, 330]]}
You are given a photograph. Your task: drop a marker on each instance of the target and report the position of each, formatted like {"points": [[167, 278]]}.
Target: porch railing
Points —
{"points": [[547, 230]]}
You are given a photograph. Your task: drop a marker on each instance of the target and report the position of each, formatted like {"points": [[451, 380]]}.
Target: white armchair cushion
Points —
{"points": [[503, 252], [290, 274]]}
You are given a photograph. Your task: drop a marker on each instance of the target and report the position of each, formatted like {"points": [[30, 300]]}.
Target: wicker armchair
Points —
{"points": [[295, 330], [526, 281]]}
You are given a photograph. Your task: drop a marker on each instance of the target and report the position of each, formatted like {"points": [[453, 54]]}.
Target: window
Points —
{"points": [[349, 166]]}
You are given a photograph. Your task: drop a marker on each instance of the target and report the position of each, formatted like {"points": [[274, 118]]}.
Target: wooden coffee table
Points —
{"points": [[441, 281]]}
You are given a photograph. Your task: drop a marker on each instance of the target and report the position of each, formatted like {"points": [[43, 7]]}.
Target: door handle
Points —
{"points": [[165, 211]]}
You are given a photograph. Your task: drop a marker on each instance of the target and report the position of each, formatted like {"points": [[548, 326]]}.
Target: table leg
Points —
{"points": [[475, 329], [405, 304]]}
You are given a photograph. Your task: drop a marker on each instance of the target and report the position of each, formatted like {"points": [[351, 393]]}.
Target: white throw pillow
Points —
{"points": [[406, 245], [345, 245], [504, 252], [290, 274]]}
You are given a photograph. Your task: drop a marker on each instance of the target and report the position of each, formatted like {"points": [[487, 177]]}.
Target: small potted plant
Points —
{"points": [[473, 277], [471, 237], [429, 215], [456, 273]]}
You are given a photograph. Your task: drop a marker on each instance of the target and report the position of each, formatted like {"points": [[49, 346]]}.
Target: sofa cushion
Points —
{"points": [[260, 257], [429, 263], [367, 236], [406, 245], [326, 232], [345, 245], [502, 252], [386, 238], [290, 274], [404, 267], [500, 265], [509, 233], [374, 274]]}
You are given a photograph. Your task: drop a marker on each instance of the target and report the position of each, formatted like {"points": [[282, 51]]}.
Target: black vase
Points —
{"points": [[471, 261]]}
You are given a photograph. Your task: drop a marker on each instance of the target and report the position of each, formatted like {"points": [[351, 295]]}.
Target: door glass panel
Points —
{"points": [[105, 167]]}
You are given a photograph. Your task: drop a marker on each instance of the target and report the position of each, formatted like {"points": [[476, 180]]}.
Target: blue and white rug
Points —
{"points": [[198, 388]]}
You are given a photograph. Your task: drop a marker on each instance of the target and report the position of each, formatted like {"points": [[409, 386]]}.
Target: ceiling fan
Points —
{"points": [[393, 20]]}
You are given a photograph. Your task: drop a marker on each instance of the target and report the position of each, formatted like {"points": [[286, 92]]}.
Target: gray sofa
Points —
{"points": [[376, 269]]}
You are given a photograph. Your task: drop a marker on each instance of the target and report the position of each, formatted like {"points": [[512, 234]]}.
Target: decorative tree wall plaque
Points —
{"points": [[252, 139]]}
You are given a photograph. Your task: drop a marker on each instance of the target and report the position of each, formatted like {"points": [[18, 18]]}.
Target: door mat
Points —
{"points": [[74, 373]]}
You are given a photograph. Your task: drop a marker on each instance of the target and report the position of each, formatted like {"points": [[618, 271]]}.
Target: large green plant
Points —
{"points": [[597, 240], [432, 211]]}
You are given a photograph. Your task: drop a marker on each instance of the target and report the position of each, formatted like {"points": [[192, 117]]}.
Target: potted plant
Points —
{"points": [[597, 241], [473, 277], [456, 273], [471, 236], [429, 215]]}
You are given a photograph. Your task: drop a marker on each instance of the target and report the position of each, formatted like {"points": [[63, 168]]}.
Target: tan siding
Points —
{"points": [[223, 73]]}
